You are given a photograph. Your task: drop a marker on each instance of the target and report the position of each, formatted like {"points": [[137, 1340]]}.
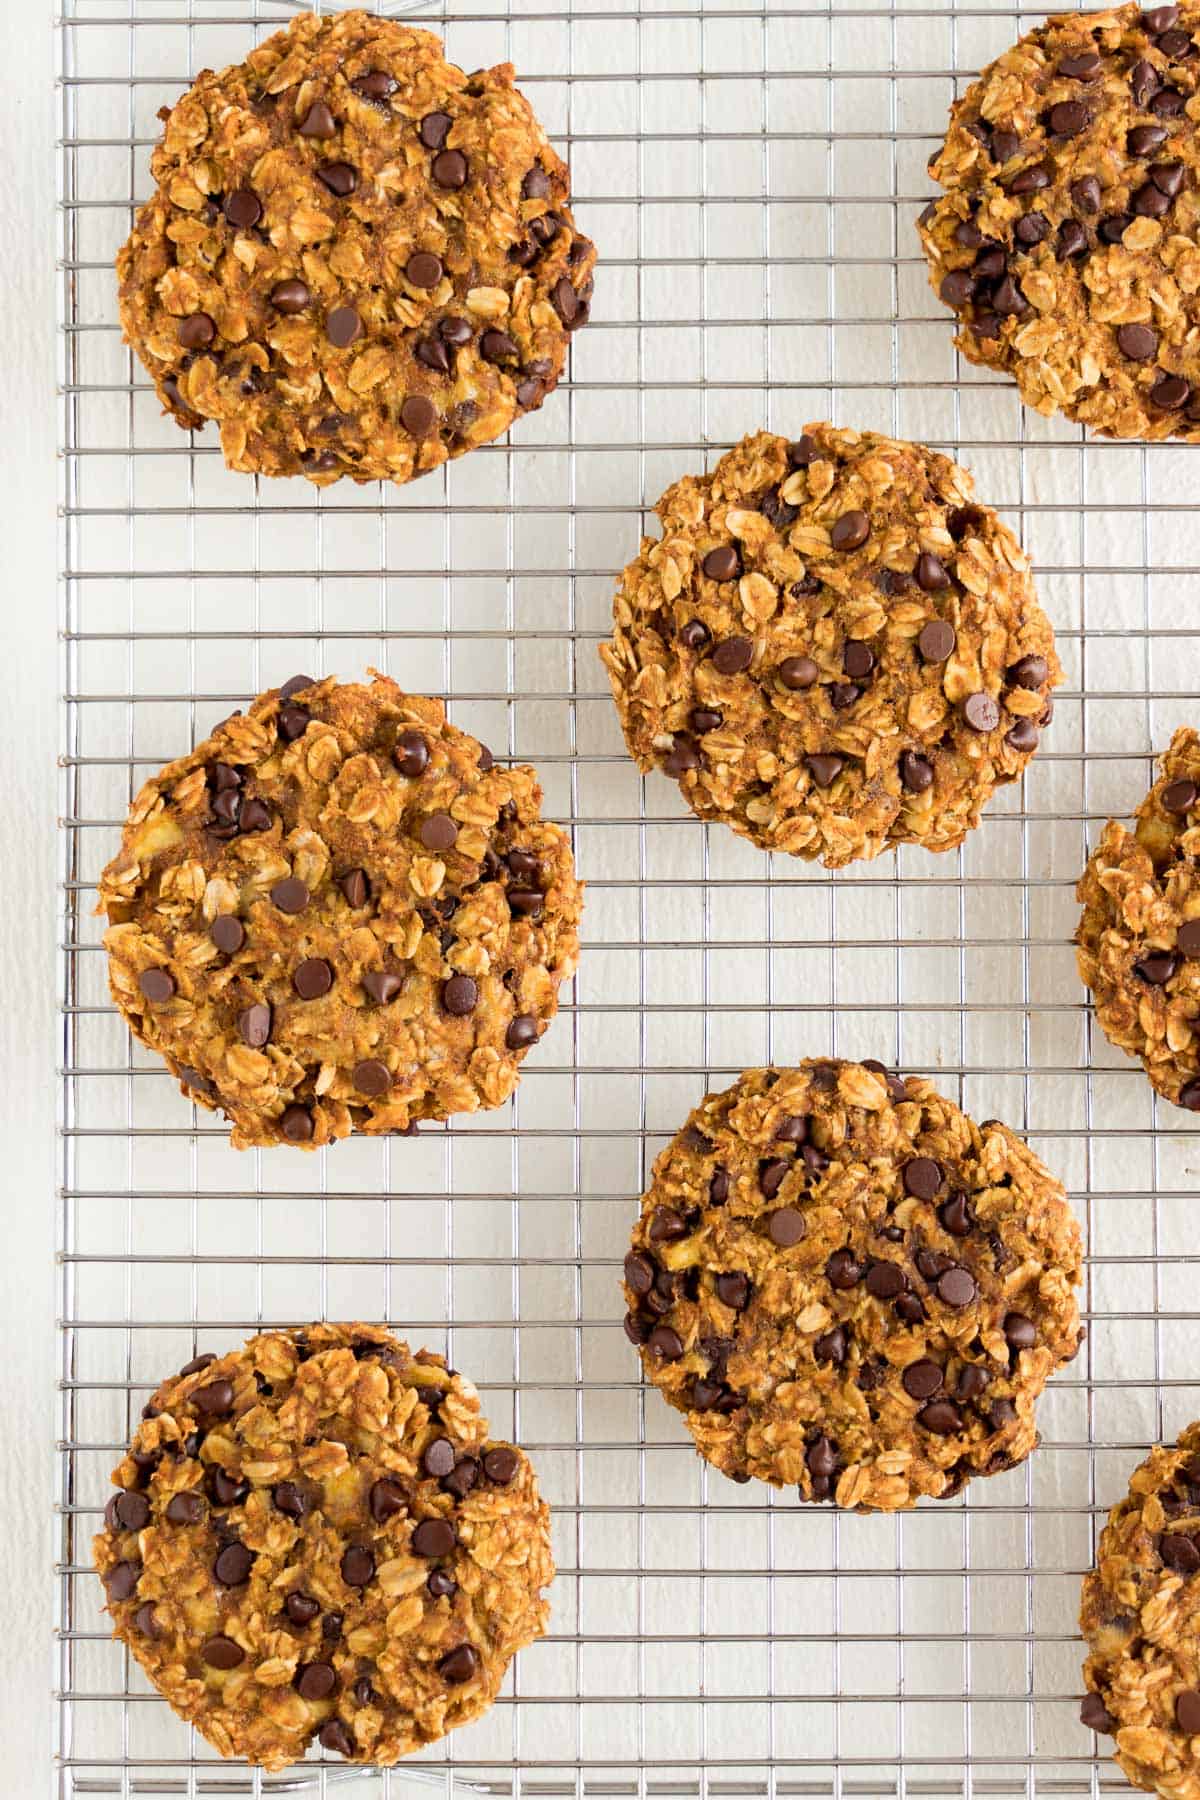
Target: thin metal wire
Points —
{"points": [[751, 173]]}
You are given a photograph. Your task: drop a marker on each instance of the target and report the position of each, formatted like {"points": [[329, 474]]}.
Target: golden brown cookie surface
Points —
{"points": [[316, 1538], [1139, 937], [1140, 1616], [1068, 239], [846, 1284], [337, 913], [832, 647], [358, 259]]}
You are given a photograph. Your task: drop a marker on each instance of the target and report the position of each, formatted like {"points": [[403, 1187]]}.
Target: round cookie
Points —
{"points": [[358, 259], [845, 1284], [1139, 937], [1067, 238], [832, 648], [316, 1538], [1140, 1616], [337, 913]]}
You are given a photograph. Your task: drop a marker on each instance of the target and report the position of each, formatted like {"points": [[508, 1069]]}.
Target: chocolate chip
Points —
{"points": [[243, 207], [131, 1510], [1031, 180], [858, 659], [916, 772], [449, 168], [501, 1465], [955, 1217], [1068, 118], [255, 1025], [255, 816], [694, 635], [666, 1225], [1187, 938], [312, 978], [521, 1033], [441, 1584], [459, 1665], [331, 1626], [733, 655], [937, 641], [702, 719], [434, 1537], [831, 1347], [293, 722], [342, 326], [341, 178], [821, 1462], [296, 1124], [957, 287], [681, 758], [227, 933], [1113, 226], [1179, 797], [433, 353], [1084, 67], [777, 511], [723, 564], [665, 1343], [941, 1417], [1149, 202], [526, 903], [824, 768], [718, 1188], [301, 1608], [639, 1272], [1139, 344], [923, 1177], [1179, 1552], [196, 331], [221, 1652], [462, 1477], [733, 1290], [315, 1681], [1167, 178], [334, 1736], [213, 1400], [1144, 139], [233, 1565], [1020, 1332], [438, 833], [1095, 1715], [460, 996], [418, 415], [358, 1566], [921, 1379], [1187, 1711], [290, 895], [1005, 145], [1170, 392], [1157, 968], [157, 985], [289, 1499], [850, 531], [411, 754], [885, 1280], [981, 712], [382, 985], [842, 1270], [227, 1489], [317, 122], [434, 129], [956, 1286], [786, 1226], [184, 1509], [498, 346], [371, 1077], [1072, 240]]}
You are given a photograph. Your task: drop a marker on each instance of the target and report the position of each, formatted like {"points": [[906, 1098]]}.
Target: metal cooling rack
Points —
{"points": [[751, 174]]}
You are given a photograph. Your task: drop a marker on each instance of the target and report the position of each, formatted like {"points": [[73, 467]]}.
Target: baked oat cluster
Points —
{"points": [[1139, 937], [1141, 1619], [848, 1286], [339, 914], [1068, 238], [358, 259], [316, 1537], [832, 647]]}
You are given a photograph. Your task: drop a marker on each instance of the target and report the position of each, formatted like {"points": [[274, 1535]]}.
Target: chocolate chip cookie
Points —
{"points": [[847, 1285], [1139, 937], [338, 914], [1141, 1619], [1068, 239], [358, 259], [315, 1537], [832, 647]]}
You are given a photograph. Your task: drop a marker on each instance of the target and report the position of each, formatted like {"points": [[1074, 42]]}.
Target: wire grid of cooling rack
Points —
{"points": [[751, 174]]}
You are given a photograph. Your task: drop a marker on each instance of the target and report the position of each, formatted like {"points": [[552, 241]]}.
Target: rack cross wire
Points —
{"points": [[751, 173]]}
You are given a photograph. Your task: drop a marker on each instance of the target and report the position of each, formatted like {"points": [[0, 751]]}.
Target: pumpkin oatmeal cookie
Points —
{"points": [[358, 259], [316, 1537], [832, 648], [338, 914], [848, 1286], [1067, 241], [1141, 1619], [1139, 937]]}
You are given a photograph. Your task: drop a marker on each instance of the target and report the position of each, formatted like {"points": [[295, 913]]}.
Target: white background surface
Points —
{"points": [[1078, 510]]}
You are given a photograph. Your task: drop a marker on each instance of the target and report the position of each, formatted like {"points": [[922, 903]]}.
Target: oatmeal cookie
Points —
{"points": [[1139, 937], [358, 259], [1141, 1618], [338, 913], [846, 1284], [1068, 238], [831, 647], [316, 1537]]}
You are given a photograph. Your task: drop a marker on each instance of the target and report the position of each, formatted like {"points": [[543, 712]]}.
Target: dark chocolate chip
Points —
{"points": [[850, 531]]}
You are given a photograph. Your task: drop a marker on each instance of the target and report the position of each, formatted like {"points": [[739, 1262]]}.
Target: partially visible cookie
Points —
{"points": [[1068, 239], [338, 913], [316, 1538], [848, 1286], [1141, 1618], [358, 259], [1139, 937], [832, 647]]}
